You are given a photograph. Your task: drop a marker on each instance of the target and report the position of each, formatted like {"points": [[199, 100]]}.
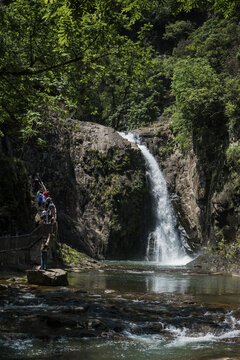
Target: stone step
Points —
{"points": [[50, 277]]}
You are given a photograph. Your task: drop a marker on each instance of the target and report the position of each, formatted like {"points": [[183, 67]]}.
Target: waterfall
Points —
{"points": [[164, 243]]}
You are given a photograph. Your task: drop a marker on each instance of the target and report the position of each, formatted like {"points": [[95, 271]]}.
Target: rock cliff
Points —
{"points": [[97, 180], [204, 188]]}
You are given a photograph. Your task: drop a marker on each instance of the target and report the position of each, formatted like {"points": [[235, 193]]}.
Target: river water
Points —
{"points": [[140, 311]]}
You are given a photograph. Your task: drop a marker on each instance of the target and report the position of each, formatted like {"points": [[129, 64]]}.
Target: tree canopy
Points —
{"points": [[120, 63], [226, 8], [57, 51]]}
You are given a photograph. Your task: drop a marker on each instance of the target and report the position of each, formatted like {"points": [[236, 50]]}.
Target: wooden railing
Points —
{"points": [[22, 251], [24, 242]]}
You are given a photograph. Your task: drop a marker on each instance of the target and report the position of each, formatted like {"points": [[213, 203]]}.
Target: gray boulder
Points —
{"points": [[50, 277]]}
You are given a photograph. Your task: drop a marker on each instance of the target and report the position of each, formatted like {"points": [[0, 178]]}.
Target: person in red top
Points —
{"points": [[46, 193]]}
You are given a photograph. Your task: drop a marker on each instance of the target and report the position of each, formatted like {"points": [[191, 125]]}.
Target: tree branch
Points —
{"points": [[40, 71], [49, 68]]}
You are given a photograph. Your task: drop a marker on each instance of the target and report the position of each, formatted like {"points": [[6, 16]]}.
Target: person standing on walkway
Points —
{"points": [[44, 251], [46, 193], [36, 183], [43, 201], [52, 213], [47, 202], [40, 199], [44, 217]]}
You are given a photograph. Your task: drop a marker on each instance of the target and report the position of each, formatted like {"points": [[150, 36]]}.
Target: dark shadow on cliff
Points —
{"points": [[210, 141]]}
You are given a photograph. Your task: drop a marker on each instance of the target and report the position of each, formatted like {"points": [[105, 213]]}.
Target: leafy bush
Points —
{"points": [[233, 157], [232, 105], [197, 90], [178, 30]]}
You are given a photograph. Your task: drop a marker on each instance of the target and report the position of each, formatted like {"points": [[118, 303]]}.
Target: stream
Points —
{"points": [[128, 310]]}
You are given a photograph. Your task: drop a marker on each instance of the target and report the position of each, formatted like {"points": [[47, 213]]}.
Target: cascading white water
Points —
{"points": [[164, 244]]}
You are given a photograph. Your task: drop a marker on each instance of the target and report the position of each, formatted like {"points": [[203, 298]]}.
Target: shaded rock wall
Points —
{"points": [[97, 180], [225, 215], [15, 199]]}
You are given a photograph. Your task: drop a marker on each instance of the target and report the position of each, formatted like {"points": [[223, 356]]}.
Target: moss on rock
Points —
{"points": [[71, 258]]}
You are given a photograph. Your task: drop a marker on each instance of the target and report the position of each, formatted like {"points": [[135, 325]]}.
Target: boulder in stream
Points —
{"points": [[50, 277]]}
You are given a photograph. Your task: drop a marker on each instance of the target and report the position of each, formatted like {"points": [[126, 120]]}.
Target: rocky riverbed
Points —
{"points": [[145, 308]]}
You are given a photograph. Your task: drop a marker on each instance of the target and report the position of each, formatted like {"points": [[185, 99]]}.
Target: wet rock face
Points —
{"points": [[188, 183], [226, 217], [97, 180]]}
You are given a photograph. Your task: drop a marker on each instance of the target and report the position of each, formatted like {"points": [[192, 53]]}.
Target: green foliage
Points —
{"points": [[188, 5], [117, 179], [233, 251], [232, 105], [233, 157], [132, 115], [112, 198], [78, 53], [210, 98], [229, 251], [197, 89], [123, 90], [194, 84], [182, 128], [104, 164], [225, 7], [116, 195], [178, 30], [94, 57], [70, 256], [214, 41]]}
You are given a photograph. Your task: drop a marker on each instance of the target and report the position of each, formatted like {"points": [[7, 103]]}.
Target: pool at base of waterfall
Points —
{"points": [[128, 310]]}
